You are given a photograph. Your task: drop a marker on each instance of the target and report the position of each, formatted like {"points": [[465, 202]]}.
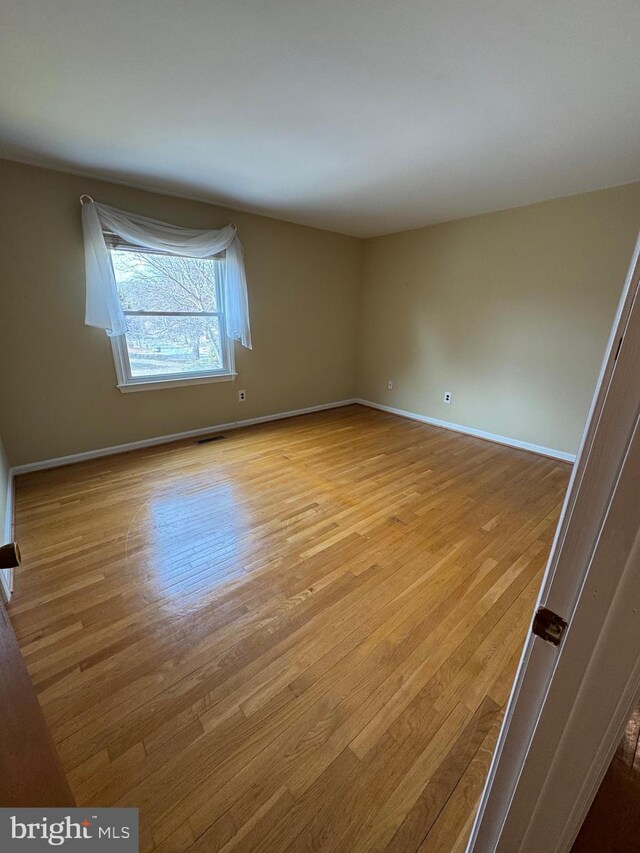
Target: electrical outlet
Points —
{"points": [[447, 396], [390, 384], [242, 396]]}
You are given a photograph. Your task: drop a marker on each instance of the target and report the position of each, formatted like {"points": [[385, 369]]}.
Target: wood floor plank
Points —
{"points": [[453, 820], [425, 810], [301, 637]]}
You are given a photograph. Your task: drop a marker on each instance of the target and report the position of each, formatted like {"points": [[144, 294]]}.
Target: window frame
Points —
{"points": [[126, 382]]}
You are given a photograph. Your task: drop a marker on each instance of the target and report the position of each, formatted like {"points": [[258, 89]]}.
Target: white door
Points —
{"points": [[571, 700]]}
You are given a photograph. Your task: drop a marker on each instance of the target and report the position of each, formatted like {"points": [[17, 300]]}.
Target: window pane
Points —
{"points": [[148, 282], [174, 345]]}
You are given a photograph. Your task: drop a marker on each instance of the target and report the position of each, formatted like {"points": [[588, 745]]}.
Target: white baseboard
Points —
{"points": [[6, 575], [166, 439], [6, 581], [478, 433]]}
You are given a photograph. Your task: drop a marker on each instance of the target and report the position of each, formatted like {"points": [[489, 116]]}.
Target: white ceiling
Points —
{"points": [[361, 116]]}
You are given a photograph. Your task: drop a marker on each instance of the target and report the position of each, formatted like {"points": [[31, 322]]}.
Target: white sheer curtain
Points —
{"points": [[103, 306]]}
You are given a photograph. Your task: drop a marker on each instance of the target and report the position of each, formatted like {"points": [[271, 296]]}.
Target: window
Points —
{"points": [[175, 319]]}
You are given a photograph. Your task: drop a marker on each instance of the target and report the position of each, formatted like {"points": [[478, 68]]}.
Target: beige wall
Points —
{"points": [[57, 383], [509, 311]]}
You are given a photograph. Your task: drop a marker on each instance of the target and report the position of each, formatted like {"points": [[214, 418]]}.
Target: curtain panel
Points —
{"points": [[103, 307]]}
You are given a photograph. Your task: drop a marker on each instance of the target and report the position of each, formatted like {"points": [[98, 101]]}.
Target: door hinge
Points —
{"points": [[548, 626]]}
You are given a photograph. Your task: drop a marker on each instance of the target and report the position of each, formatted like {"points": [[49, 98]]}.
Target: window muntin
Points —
{"points": [[175, 317]]}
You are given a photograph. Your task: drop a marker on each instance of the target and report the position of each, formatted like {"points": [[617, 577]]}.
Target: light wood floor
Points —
{"points": [[300, 637]]}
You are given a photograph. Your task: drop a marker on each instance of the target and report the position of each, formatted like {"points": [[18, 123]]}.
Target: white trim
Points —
{"points": [[166, 439], [126, 382], [6, 575], [158, 384], [5, 586], [478, 433]]}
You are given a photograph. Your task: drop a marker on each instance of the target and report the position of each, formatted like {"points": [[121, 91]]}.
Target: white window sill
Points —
{"points": [[158, 384]]}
